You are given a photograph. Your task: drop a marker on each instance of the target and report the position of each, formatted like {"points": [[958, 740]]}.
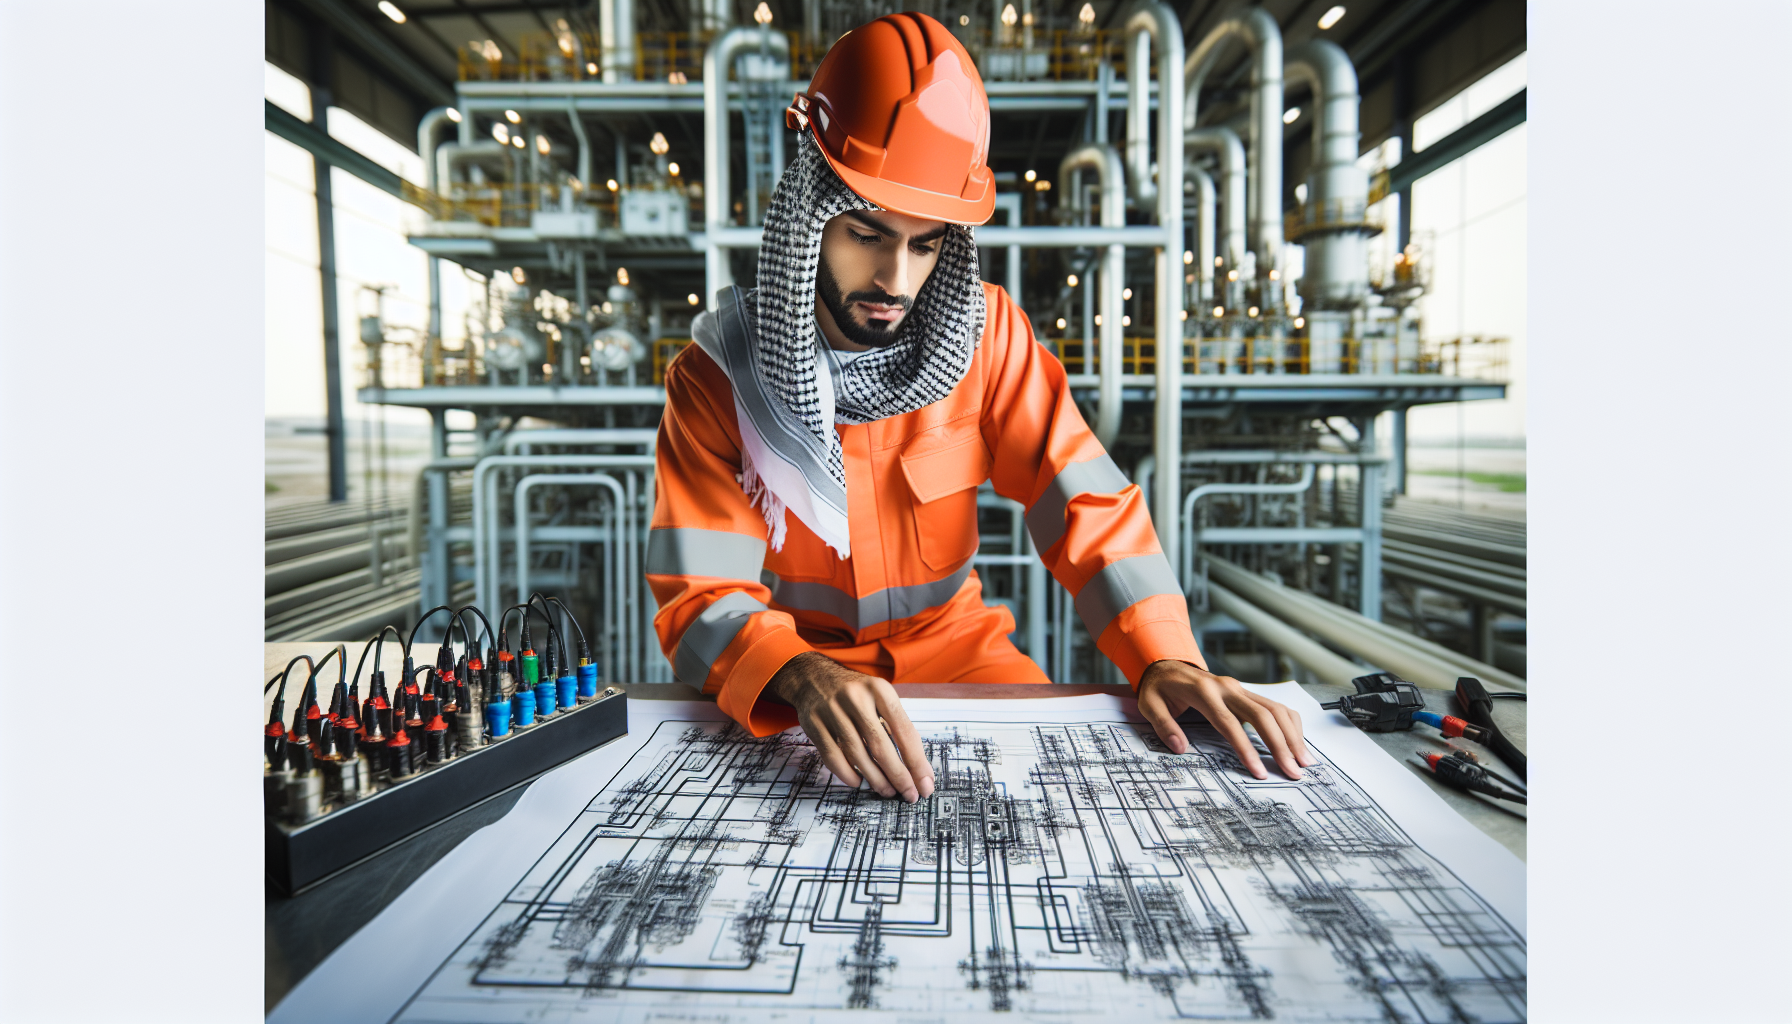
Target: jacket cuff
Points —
{"points": [[1155, 629], [740, 697]]}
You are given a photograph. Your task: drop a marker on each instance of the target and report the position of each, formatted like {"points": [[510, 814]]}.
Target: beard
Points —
{"points": [[872, 333]]}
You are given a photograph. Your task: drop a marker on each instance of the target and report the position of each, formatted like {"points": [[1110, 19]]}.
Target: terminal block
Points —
{"points": [[1383, 702]]}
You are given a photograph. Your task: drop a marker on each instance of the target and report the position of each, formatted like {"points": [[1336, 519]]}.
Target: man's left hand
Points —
{"points": [[1168, 687]]}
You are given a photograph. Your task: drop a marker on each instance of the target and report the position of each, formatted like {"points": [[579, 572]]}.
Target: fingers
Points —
{"points": [[1158, 713], [1268, 727], [1289, 720], [831, 754], [847, 733], [1222, 719], [877, 741], [908, 739]]}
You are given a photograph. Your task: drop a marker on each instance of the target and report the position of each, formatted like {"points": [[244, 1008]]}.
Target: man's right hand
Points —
{"points": [[851, 718]]}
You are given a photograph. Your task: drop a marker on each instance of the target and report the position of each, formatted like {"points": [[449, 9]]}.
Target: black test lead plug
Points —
{"points": [[1477, 707], [1383, 702], [1459, 772]]}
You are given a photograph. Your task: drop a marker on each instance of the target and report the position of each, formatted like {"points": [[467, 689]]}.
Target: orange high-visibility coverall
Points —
{"points": [[906, 606]]}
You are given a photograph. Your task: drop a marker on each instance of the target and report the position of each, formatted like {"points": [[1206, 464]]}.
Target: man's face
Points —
{"points": [[873, 264]]}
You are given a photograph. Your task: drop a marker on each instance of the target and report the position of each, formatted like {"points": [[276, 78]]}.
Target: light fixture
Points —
{"points": [[1188, 279], [517, 275], [1291, 115], [964, 19], [763, 13], [1330, 18], [1300, 193], [577, 185], [1032, 174], [489, 49], [1043, 185], [1027, 18], [606, 307], [585, 361], [1183, 315], [1126, 321], [1126, 293], [390, 10], [547, 369], [1219, 311], [513, 117], [1251, 312], [611, 184], [454, 115], [1299, 322], [501, 132], [622, 275], [676, 78], [1008, 16], [1275, 275], [517, 141], [692, 298], [1061, 323], [1399, 258], [542, 145], [1231, 275], [658, 144], [1086, 15], [1071, 280], [591, 67], [1219, 261], [1098, 319], [1188, 257], [672, 168]]}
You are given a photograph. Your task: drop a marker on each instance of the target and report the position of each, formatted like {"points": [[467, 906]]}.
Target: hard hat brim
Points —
{"points": [[915, 202]]}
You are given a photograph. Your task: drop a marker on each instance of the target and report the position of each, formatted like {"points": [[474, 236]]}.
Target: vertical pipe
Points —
{"points": [[1369, 502], [1399, 453], [334, 430], [718, 61], [1138, 110], [1205, 204], [1105, 161], [436, 570], [1258, 30], [1156, 19]]}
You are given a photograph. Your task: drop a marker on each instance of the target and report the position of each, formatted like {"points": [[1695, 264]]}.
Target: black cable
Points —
{"points": [[310, 694], [271, 682], [1505, 696], [374, 645], [419, 625], [280, 698], [556, 637], [485, 621]]}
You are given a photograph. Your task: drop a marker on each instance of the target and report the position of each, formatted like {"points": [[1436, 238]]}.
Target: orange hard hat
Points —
{"points": [[898, 109]]}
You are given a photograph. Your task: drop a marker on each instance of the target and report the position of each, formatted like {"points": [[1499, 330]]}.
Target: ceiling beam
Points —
{"points": [[330, 150], [392, 59], [1508, 115]]}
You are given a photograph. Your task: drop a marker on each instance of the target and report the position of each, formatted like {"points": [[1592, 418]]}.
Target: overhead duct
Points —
{"points": [[1337, 269], [1257, 30], [1104, 160]]}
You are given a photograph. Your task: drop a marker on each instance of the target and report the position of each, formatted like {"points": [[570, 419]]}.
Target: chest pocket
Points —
{"points": [[944, 482]]}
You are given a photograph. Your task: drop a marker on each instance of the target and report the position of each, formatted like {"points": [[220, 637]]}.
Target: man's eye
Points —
{"points": [[921, 250], [862, 239]]}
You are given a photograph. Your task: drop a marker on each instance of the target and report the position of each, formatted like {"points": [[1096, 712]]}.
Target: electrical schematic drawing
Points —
{"points": [[1058, 871]]}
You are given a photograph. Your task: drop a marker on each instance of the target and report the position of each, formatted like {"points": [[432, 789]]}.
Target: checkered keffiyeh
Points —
{"points": [[768, 343]]}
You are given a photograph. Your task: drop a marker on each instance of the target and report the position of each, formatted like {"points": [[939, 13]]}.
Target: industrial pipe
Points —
{"points": [[426, 143], [1205, 204], [645, 436], [486, 549], [621, 565], [1337, 270], [467, 152], [1297, 646], [1357, 634], [578, 131], [1189, 539], [1259, 31], [616, 25], [718, 61], [1156, 19], [1224, 143], [1110, 176]]}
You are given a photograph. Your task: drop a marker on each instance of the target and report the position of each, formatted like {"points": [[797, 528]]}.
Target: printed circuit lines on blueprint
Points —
{"points": [[1058, 872]]}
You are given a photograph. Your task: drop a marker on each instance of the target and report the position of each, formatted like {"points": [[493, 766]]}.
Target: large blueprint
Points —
{"points": [[1067, 867]]}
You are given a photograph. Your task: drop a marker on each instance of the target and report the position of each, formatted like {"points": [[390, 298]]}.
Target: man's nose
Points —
{"points": [[892, 277]]}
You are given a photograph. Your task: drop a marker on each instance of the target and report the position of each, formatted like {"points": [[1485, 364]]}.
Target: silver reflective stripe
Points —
{"points": [[705, 640], [687, 551], [1122, 585], [864, 612], [1045, 520]]}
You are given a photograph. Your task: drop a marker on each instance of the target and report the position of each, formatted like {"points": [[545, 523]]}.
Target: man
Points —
{"points": [[822, 445]]}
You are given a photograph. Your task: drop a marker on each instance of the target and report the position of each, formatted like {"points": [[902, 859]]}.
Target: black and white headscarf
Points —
{"points": [[768, 343]]}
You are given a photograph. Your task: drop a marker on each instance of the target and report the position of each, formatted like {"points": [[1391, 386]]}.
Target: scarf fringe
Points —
{"points": [[768, 503]]}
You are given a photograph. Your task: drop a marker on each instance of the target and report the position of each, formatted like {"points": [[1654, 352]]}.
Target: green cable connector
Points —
{"points": [[531, 669]]}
